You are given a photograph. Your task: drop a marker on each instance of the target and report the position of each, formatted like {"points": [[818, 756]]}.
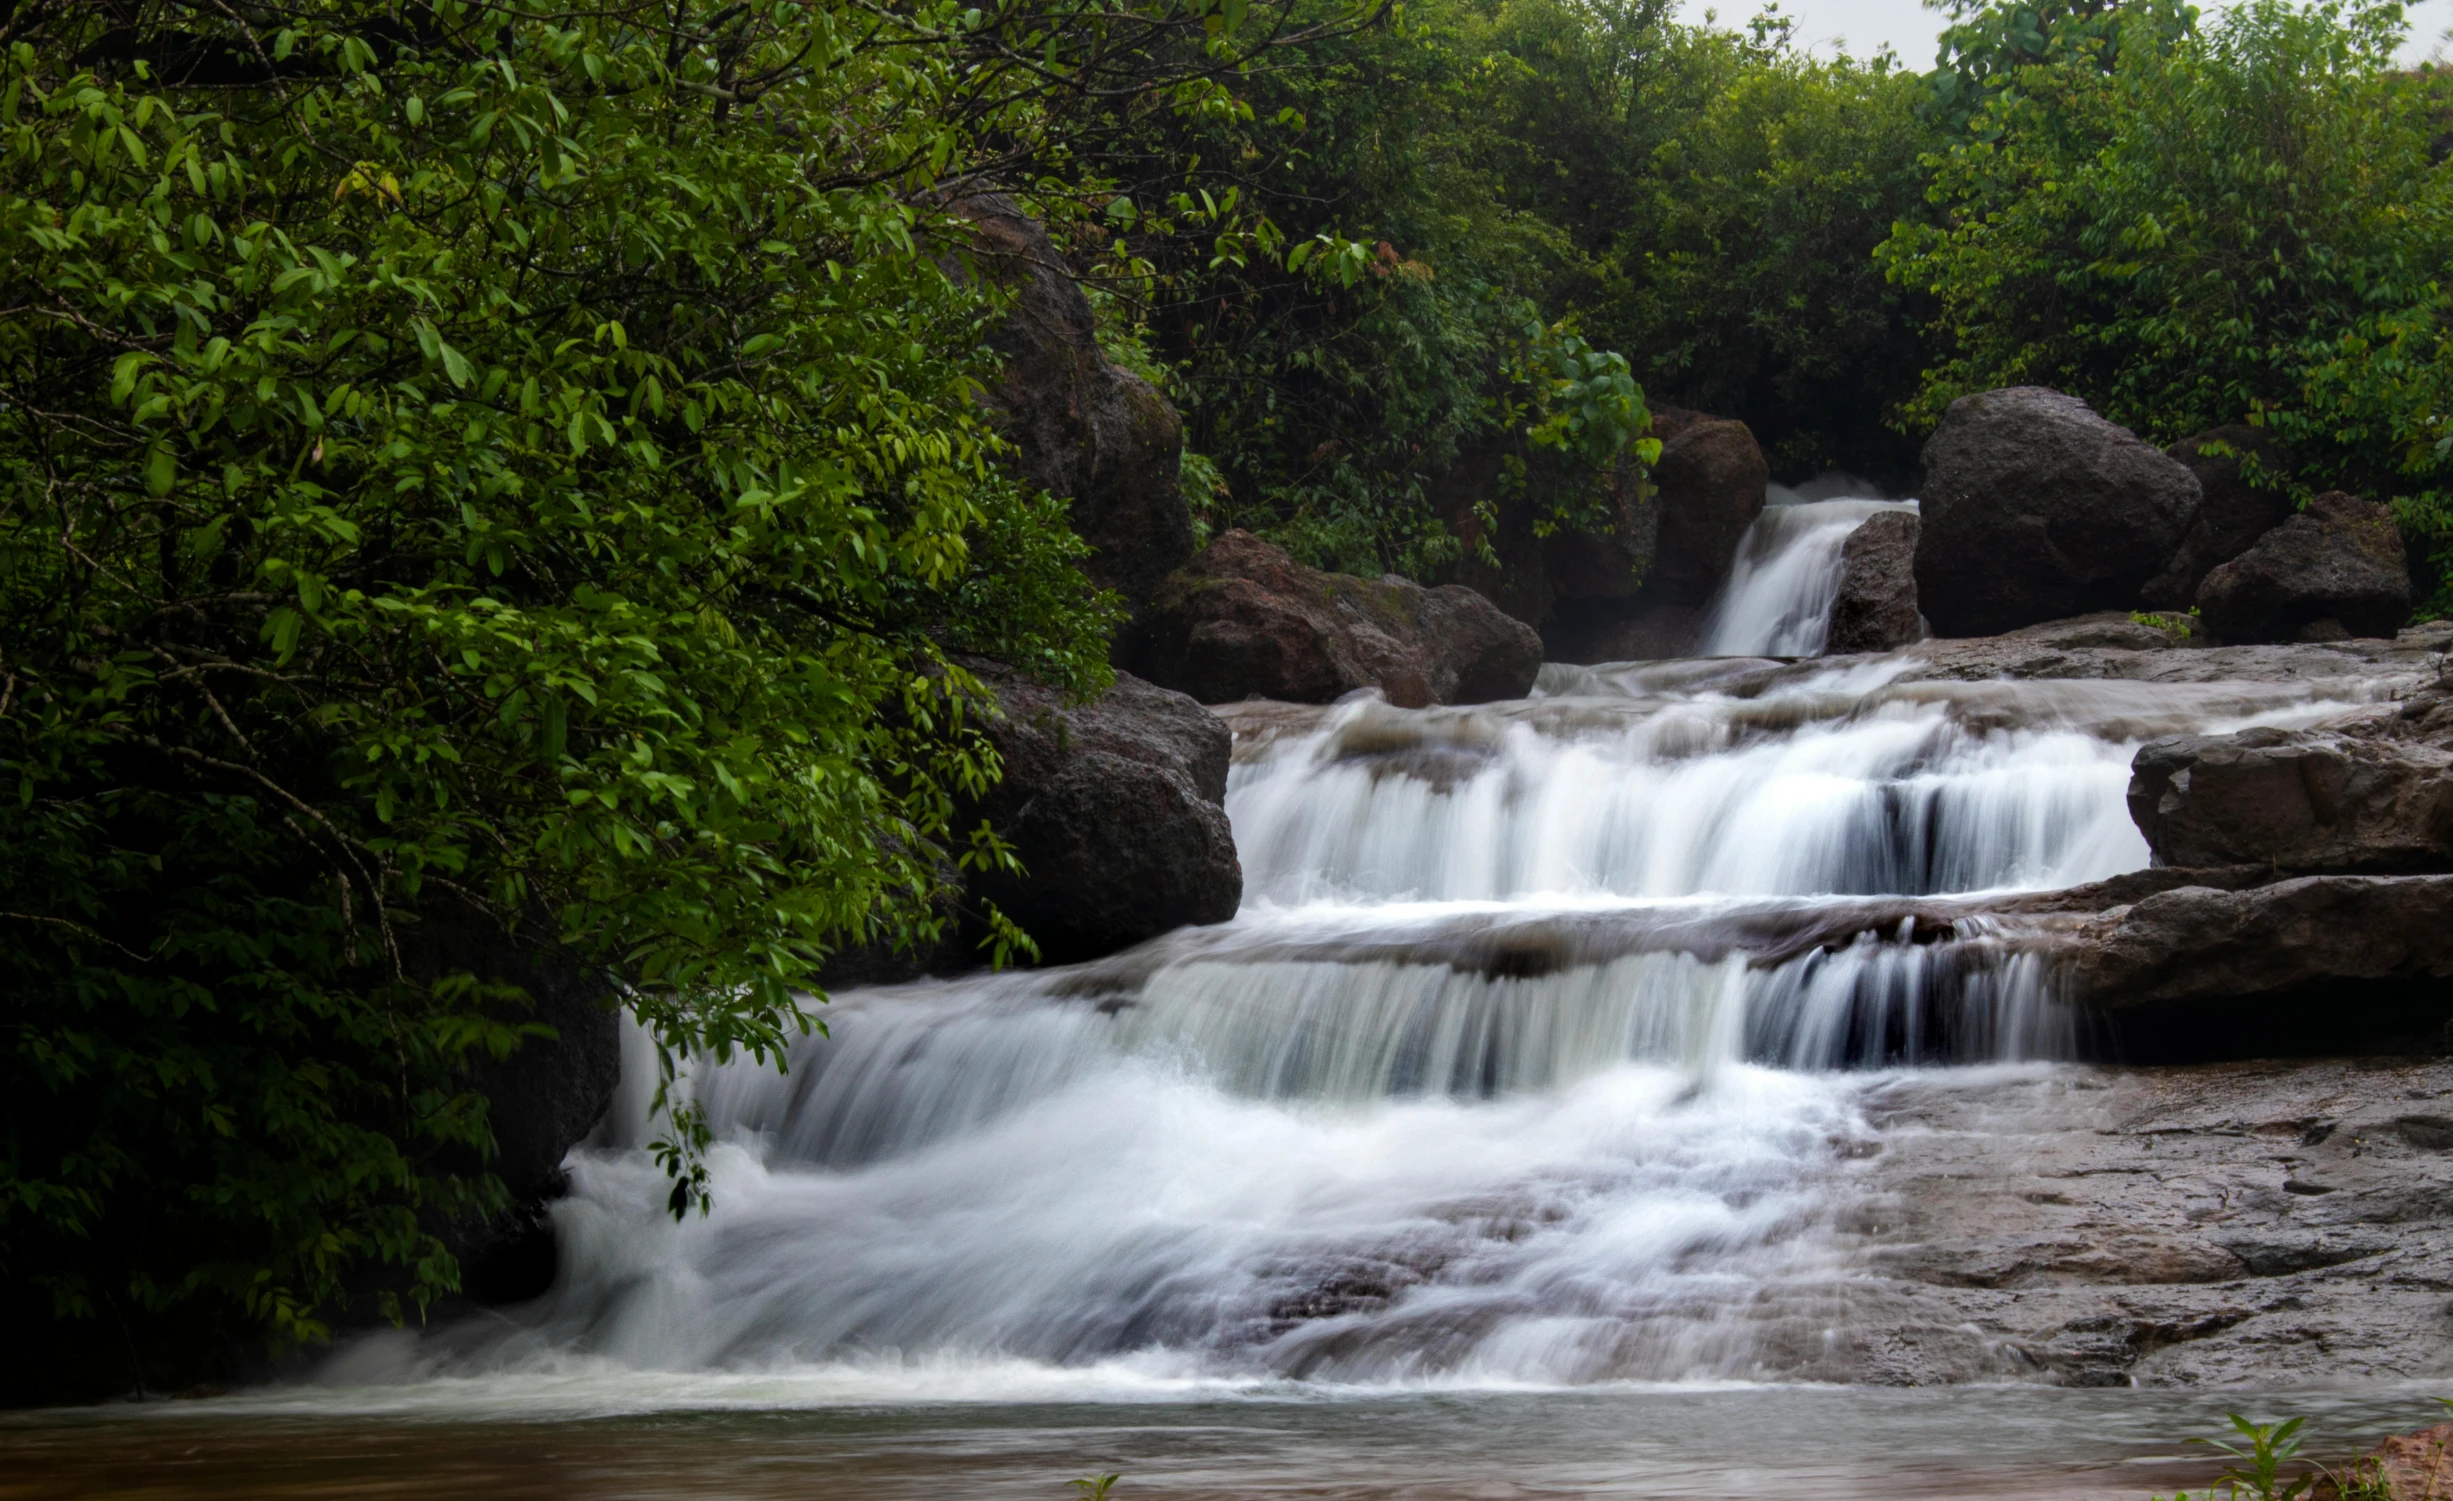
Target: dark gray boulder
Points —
{"points": [[1709, 487], [1245, 620], [2307, 800], [2232, 513], [1637, 587], [1114, 808], [541, 1101], [1875, 608], [2335, 570], [2036, 509], [1085, 430]]}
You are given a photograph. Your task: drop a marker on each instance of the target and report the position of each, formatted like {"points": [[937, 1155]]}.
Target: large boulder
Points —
{"points": [[1875, 608], [1245, 620], [1709, 488], [1085, 430], [2307, 800], [541, 1101], [2036, 509], [1506, 559], [2334, 570], [1115, 809], [2232, 513]]}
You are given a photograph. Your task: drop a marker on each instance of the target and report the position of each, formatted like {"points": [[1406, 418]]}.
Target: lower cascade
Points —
{"points": [[1546, 1048]]}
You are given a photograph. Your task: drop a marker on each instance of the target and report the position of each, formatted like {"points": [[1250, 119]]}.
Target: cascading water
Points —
{"points": [[1537, 1054], [1777, 602]]}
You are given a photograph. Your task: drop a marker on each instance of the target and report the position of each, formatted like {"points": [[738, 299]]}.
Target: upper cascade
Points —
{"points": [[1777, 602]]}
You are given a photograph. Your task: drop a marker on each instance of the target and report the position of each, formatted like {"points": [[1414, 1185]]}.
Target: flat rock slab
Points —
{"points": [[2253, 1222]]}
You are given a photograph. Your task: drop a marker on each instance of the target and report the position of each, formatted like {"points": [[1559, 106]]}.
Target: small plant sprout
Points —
{"points": [[1096, 1487], [2257, 1474]]}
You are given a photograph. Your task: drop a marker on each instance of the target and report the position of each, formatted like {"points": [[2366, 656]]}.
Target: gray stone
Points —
{"points": [[2035, 508], [2334, 570], [1875, 608], [1244, 620]]}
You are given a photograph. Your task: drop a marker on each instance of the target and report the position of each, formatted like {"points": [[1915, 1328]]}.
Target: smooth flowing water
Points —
{"points": [[1786, 573], [1513, 1140]]}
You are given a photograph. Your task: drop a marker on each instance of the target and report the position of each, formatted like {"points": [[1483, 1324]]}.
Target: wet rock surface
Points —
{"points": [[2336, 569], [2268, 1222], [1245, 620], [2111, 645], [2299, 800], [1114, 809], [2232, 512], [1875, 609], [2035, 508], [1085, 430]]}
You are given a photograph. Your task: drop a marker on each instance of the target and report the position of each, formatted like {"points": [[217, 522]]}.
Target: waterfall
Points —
{"points": [[1537, 1054], [1777, 602]]}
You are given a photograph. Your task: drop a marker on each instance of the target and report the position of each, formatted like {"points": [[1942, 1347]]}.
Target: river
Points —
{"points": [[1545, 1124]]}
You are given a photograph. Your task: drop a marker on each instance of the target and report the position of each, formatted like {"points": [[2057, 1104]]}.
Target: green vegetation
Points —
{"points": [[2256, 1471], [474, 474], [488, 477], [2193, 226]]}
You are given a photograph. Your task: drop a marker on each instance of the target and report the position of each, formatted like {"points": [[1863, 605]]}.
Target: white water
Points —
{"points": [[1535, 1057], [1777, 602]]}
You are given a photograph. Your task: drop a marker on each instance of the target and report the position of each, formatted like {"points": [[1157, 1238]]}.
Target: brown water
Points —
{"points": [[1796, 1444]]}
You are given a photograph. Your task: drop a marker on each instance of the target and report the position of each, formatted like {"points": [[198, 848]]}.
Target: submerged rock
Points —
{"points": [[1875, 609], [2035, 508], [2336, 569], [1085, 430], [2231, 515], [1244, 620]]}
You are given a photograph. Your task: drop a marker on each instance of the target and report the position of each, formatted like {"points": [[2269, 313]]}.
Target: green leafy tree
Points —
{"points": [[475, 475], [2245, 223]]}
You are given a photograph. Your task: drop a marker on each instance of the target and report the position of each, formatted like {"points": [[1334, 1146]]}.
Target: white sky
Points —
{"points": [[1911, 29]]}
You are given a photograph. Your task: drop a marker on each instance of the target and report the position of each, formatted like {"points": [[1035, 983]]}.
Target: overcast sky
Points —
{"points": [[1910, 29]]}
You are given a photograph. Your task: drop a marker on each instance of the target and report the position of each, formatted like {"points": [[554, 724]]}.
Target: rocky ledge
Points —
{"points": [[2266, 1221], [1245, 620]]}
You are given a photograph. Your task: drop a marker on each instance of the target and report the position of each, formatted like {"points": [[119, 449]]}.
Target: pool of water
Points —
{"points": [[759, 1437]]}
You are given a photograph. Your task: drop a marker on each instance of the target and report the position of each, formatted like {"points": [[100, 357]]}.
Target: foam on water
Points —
{"points": [[1777, 602], [1537, 1056]]}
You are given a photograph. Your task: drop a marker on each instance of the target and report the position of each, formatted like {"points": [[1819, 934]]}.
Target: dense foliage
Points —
{"points": [[472, 473], [2195, 226]]}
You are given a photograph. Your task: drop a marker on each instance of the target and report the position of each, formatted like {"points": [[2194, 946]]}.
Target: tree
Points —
{"points": [[2245, 223], [470, 470]]}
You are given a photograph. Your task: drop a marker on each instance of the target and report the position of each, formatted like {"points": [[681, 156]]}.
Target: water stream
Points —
{"points": [[1533, 1057], [1538, 1058]]}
